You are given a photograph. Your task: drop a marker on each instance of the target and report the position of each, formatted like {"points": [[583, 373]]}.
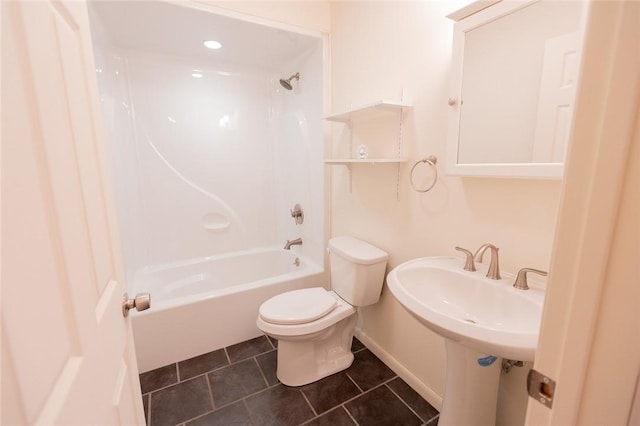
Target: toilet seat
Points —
{"points": [[340, 311], [298, 306]]}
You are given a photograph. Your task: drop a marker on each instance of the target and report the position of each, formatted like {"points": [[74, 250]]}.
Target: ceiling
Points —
{"points": [[169, 29]]}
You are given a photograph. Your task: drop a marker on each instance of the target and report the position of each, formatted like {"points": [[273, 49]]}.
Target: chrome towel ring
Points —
{"points": [[430, 160]]}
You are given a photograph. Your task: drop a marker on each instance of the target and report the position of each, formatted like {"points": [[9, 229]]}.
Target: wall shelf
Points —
{"points": [[371, 161], [378, 110], [368, 111]]}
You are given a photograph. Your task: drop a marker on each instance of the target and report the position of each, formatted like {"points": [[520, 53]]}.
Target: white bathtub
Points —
{"points": [[204, 304]]}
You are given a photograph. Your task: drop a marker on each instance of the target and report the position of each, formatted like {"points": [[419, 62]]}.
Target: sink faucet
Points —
{"points": [[494, 268], [296, 242]]}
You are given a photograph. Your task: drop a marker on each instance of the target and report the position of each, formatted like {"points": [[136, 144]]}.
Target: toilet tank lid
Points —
{"points": [[357, 251]]}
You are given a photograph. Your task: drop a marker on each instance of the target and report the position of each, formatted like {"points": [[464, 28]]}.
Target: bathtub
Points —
{"points": [[204, 304]]}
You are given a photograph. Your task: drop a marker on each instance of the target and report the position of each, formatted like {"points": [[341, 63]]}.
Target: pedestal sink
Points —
{"points": [[481, 320]]}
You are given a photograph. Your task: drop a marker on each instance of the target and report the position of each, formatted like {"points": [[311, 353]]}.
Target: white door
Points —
{"points": [[67, 350], [590, 333], [555, 103]]}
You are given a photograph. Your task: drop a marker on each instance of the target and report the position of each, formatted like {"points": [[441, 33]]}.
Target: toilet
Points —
{"points": [[314, 327]]}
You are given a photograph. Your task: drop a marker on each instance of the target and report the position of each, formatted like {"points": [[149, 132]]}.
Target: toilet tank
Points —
{"points": [[357, 270]]}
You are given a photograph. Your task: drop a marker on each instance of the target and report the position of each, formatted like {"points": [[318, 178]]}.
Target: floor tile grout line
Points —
{"points": [[252, 355], [354, 382], [264, 377], [177, 367], [344, 407], [270, 342], [244, 399], [249, 413], [269, 387], [197, 417], [313, 410], [173, 384], [317, 415], [405, 403], [207, 372], [331, 409], [435, 418], [201, 415], [148, 419], [189, 419], [343, 403], [248, 396], [213, 403], [180, 380]]}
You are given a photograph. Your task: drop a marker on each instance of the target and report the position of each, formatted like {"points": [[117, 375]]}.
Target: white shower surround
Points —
{"points": [[212, 165]]}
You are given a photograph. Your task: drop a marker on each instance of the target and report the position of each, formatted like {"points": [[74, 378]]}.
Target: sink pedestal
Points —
{"points": [[471, 387]]}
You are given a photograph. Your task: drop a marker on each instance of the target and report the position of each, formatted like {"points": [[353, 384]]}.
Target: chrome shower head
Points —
{"points": [[287, 83]]}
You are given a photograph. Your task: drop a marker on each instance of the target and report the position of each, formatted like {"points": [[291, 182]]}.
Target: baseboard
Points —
{"points": [[416, 384]]}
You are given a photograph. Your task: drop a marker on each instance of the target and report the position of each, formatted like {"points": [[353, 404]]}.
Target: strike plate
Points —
{"points": [[541, 387]]}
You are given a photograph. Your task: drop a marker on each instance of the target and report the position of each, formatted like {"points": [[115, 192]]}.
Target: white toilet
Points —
{"points": [[314, 327]]}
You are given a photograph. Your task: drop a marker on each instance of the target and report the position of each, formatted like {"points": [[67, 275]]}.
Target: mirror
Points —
{"points": [[515, 66]]}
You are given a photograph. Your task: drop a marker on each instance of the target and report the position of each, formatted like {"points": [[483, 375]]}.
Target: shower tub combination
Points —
{"points": [[210, 150]]}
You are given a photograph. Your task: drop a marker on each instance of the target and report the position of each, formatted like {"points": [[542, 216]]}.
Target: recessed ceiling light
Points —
{"points": [[197, 74], [212, 44]]}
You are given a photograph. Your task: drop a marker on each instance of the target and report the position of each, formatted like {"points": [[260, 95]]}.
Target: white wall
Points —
{"points": [[379, 48]]}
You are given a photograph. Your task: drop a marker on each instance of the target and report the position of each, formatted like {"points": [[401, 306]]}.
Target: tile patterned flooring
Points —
{"points": [[237, 385]]}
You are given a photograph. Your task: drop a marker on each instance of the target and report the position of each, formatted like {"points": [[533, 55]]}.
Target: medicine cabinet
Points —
{"points": [[514, 75]]}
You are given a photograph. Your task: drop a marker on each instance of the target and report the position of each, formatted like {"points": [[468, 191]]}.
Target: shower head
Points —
{"points": [[287, 83]]}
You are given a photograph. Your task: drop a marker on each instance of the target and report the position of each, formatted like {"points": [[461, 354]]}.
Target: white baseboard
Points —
{"points": [[416, 384]]}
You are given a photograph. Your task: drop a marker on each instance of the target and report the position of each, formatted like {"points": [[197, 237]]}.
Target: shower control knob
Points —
{"points": [[141, 302], [297, 214]]}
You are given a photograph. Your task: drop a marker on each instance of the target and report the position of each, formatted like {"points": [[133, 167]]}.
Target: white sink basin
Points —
{"points": [[489, 316]]}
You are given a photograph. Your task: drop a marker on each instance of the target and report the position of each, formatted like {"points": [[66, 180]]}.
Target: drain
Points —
{"points": [[470, 320]]}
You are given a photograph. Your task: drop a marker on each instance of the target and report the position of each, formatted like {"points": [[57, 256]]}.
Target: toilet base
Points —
{"points": [[302, 361]]}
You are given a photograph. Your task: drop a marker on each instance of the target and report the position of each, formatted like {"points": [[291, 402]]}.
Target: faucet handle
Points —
{"points": [[297, 214], [521, 278], [469, 265]]}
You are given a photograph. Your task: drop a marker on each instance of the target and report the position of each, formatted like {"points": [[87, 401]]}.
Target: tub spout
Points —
{"points": [[296, 242]]}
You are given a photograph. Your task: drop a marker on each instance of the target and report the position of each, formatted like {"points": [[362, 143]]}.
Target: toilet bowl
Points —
{"points": [[314, 326]]}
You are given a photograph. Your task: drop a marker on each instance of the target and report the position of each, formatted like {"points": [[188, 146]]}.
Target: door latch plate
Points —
{"points": [[541, 387]]}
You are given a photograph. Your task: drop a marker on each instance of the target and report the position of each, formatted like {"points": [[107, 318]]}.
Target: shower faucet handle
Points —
{"points": [[297, 214]]}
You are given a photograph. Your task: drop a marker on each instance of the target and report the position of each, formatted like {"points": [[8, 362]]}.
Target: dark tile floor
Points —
{"points": [[237, 385]]}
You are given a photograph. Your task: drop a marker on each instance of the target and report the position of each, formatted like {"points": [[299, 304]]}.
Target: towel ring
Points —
{"points": [[431, 160]]}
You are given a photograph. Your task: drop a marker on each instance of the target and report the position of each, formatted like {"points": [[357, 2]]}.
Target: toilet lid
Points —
{"points": [[298, 306]]}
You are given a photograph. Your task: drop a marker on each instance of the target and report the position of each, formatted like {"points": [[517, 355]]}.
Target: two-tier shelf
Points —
{"points": [[382, 109]]}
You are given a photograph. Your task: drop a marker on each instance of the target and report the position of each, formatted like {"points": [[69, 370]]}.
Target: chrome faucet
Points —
{"points": [[296, 242], [494, 268]]}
